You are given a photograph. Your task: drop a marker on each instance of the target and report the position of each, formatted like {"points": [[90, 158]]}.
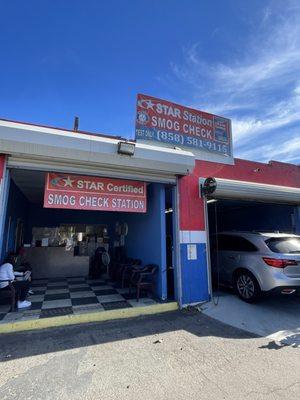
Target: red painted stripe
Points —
{"points": [[2, 163], [191, 205]]}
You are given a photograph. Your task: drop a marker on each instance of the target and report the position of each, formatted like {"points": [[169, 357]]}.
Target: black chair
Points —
{"points": [[10, 293], [116, 269], [143, 279], [129, 269]]}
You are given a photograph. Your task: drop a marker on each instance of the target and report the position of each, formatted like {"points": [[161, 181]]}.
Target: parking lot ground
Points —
{"points": [[275, 317], [177, 355]]}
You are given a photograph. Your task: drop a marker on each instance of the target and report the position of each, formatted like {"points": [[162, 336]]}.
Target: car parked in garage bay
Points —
{"points": [[254, 263]]}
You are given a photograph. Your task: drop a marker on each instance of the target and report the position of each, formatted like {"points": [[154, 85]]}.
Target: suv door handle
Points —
{"points": [[232, 257]]}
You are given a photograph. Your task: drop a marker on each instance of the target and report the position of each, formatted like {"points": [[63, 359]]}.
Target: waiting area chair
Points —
{"points": [[143, 279]]}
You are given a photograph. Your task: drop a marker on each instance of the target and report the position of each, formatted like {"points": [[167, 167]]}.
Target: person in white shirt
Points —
{"points": [[21, 287], [22, 269]]}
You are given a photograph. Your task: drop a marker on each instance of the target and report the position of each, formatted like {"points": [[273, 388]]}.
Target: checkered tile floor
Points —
{"points": [[63, 296]]}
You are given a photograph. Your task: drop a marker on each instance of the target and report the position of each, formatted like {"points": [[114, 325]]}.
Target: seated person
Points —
{"points": [[22, 269], [19, 262], [21, 287]]}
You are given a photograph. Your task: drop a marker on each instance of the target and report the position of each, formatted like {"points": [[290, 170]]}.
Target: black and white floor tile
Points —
{"points": [[76, 295]]}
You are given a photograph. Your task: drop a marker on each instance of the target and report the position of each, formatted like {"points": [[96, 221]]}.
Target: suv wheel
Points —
{"points": [[246, 286]]}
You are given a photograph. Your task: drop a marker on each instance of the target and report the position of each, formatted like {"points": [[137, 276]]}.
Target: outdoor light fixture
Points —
{"points": [[126, 148]]}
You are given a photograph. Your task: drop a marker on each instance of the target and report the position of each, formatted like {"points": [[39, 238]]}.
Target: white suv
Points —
{"points": [[255, 262]]}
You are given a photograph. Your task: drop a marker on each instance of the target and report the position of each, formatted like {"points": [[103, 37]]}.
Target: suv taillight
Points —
{"points": [[278, 263]]}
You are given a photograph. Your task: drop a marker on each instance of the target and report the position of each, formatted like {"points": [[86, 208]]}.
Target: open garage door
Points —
{"points": [[243, 217], [233, 189]]}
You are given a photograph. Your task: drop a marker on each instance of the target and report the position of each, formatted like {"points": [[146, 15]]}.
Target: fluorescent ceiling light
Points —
{"points": [[211, 201]]}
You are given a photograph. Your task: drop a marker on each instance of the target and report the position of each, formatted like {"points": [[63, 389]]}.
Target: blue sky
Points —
{"points": [[90, 58]]}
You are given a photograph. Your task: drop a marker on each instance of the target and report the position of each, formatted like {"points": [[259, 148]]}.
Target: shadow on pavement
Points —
{"points": [[26, 344], [291, 340]]}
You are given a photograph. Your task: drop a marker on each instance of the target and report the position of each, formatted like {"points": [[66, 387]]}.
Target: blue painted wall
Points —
{"points": [[17, 208], [194, 275], [146, 237], [4, 193]]}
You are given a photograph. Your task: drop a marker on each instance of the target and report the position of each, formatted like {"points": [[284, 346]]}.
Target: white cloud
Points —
{"points": [[280, 115], [259, 90], [288, 151]]}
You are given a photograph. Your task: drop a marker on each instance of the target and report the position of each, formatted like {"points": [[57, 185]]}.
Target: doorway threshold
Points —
{"points": [[85, 317]]}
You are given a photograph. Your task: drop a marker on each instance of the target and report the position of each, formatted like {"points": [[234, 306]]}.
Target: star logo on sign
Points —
{"points": [[68, 182], [148, 104]]}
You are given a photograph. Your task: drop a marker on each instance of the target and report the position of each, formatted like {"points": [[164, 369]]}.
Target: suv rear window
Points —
{"points": [[284, 245], [234, 243]]}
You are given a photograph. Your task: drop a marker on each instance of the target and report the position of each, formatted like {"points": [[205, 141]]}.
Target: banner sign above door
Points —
{"points": [[94, 193], [161, 121]]}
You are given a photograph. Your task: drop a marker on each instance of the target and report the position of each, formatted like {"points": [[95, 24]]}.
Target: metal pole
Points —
{"points": [[208, 259]]}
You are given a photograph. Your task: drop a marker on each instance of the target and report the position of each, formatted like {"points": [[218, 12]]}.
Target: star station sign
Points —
{"points": [[94, 193], [175, 125]]}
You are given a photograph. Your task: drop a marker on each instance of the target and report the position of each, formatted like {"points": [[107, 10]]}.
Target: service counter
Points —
{"points": [[52, 262]]}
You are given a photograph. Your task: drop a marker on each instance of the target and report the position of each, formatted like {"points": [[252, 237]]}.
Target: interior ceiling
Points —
{"points": [[238, 203], [231, 205], [31, 184]]}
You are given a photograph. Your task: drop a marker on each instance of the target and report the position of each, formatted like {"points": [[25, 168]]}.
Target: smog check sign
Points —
{"points": [[94, 193], [161, 121]]}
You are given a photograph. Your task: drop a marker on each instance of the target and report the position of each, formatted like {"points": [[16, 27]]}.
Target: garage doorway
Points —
{"points": [[238, 215], [73, 282], [231, 220]]}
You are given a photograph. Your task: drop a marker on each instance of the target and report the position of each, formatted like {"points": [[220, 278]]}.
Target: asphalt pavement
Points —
{"points": [[178, 355], [276, 317]]}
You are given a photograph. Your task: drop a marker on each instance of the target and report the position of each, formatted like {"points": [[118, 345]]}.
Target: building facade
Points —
{"points": [[174, 232]]}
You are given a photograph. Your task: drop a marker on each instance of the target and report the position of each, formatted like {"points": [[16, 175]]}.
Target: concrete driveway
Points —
{"points": [[179, 355], [277, 318]]}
